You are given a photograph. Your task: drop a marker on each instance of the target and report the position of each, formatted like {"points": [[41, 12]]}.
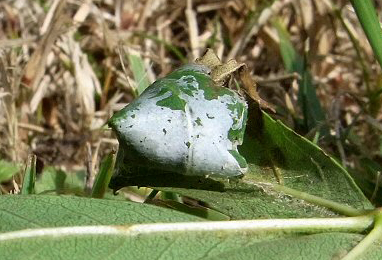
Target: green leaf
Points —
{"points": [[199, 211], [184, 246], [177, 121], [288, 176], [318, 246], [277, 155], [37, 211], [85, 234], [7, 170], [29, 176]]}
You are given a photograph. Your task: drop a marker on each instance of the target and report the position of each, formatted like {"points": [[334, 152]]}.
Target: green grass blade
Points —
{"points": [[367, 16], [307, 97], [357, 48], [138, 67], [103, 177], [172, 48], [29, 176]]}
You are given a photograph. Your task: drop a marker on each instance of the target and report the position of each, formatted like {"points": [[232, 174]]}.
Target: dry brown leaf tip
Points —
{"points": [[220, 73]]}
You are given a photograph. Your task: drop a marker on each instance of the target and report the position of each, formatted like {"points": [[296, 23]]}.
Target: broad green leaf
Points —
{"points": [[7, 170], [211, 240], [185, 246], [318, 246], [278, 157], [288, 176], [49, 227], [37, 211], [206, 213], [178, 121]]}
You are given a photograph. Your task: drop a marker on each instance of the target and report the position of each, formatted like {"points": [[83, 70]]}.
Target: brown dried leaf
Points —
{"points": [[249, 86]]}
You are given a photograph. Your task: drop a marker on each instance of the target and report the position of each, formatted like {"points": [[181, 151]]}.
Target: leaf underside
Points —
{"points": [[275, 154]]}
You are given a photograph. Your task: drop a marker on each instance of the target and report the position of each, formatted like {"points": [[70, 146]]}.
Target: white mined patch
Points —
{"points": [[158, 132], [196, 138], [209, 137], [188, 80]]}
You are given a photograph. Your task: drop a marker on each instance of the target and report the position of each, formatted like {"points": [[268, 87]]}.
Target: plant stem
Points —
{"points": [[367, 242], [338, 207], [255, 227]]}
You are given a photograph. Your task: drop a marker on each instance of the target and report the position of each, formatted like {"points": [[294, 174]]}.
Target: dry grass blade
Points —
{"points": [[87, 82], [35, 68], [8, 113], [264, 17], [192, 30]]}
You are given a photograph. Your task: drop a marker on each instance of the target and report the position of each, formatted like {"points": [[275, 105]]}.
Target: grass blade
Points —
{"points": [[103, 177], [170, 47], [367, 16], [29, 176], [138, 68], [307, 97]]}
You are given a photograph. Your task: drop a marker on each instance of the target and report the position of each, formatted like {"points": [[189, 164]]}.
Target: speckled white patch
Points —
{"points": [[196, 138]]}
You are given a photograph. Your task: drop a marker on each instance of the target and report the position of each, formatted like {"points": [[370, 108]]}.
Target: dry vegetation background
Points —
{"points": [[65, 67]]}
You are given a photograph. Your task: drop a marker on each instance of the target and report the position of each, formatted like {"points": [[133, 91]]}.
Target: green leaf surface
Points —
{"points": [[288, 175], [176, 241], [7, 170], [50, 227], [203, 212], [277, 155], [318, 246], [38, 211], [176, 122]]}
